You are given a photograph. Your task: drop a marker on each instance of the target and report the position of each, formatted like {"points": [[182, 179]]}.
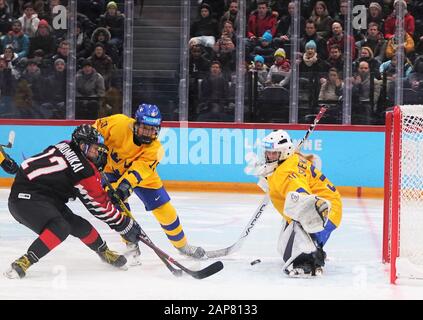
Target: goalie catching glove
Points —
{"points": [[310, 211]]}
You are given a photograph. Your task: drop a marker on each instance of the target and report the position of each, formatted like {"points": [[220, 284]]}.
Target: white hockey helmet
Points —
{"points": [[279, 141]]}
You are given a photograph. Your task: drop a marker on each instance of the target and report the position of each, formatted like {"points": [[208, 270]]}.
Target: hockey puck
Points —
{"points": [[255, 262]]}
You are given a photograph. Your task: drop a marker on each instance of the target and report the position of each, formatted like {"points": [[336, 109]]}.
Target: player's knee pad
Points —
{"points": [[294, 241], [309, 210]]}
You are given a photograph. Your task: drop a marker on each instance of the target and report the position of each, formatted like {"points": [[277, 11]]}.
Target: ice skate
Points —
{"points": [[112, 258], [18, 268]]}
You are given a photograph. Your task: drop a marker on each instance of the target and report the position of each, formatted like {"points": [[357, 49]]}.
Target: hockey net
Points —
{"points": [[403, 200]]}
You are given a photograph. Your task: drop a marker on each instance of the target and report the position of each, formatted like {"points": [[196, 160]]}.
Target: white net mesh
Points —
{"points": [[411, 184]]}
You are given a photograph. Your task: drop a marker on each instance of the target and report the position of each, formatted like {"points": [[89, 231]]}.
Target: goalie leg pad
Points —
{"points": [[299, 252], [293, 241], [309, 210]]}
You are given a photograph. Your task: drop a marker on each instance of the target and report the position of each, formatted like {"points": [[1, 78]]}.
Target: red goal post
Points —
{"points": [[403, 188]]}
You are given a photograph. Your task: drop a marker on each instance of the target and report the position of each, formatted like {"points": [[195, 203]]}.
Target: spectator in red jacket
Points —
{"points": [[391, 21], [260, 21]]}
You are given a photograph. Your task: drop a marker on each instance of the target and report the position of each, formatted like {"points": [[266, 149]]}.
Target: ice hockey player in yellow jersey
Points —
{"points": [[135, 152], [306, 199]]}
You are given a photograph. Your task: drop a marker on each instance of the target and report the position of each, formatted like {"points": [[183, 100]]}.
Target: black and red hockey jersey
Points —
{"points": [[62, 172]]}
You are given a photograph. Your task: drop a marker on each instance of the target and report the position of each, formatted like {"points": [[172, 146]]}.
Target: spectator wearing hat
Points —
{"points": [[311, 34], [89, 84], [5, 17], [113, 20], [280, 72], [103, 36], [102, 63], [29, 20], [264, 49], [17, 39], [375, 15], [217, 7], [43, 40], [205, 29], [313, 70], [391, 21], [260, 69]]}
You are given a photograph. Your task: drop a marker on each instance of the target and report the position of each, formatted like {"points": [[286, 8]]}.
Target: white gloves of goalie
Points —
{"points": [[310, 211]]}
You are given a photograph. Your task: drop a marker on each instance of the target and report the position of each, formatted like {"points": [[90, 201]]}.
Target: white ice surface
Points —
{"points": [[212, 220]]}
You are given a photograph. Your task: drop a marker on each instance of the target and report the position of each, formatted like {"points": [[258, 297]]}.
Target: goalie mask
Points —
{"points": [[277, 147]]}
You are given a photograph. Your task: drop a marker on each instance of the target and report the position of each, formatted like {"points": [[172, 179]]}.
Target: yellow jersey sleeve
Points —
{"points": [[2, 157], [299, 175], [136, 164]]}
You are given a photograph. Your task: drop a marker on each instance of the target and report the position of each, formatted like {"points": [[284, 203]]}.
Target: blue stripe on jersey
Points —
{"points": [[172, 226], [178, 237], [323, 236], [322, 177], [136, 174], [332, 188], [301, 190], [313, 172]]}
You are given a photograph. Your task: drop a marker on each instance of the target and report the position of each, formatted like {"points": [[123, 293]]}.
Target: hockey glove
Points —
{"points": [[10, 166], [132, 231], [120, 194]]}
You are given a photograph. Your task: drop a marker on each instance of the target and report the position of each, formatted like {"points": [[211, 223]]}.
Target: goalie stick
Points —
{"points": [[264, 202], [167, 260]]}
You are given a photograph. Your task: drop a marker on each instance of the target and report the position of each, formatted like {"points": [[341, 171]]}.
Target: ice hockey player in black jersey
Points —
{"points": [[43, 185]]}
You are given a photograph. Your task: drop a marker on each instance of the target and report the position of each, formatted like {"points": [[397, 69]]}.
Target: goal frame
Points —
{"points": [[392, 200]]}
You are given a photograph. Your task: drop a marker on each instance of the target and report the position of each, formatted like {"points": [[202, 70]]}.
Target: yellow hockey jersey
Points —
{"points": [[136, 164], [298, 174]]}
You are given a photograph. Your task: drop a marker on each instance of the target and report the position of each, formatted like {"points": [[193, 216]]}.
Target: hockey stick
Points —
{"points": [[11, 140], [175, 272], [200, 274], [8, 145], [264, 202]]}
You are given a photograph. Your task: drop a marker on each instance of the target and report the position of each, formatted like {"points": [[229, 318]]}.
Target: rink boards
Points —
{"points": [[219, 153]]}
